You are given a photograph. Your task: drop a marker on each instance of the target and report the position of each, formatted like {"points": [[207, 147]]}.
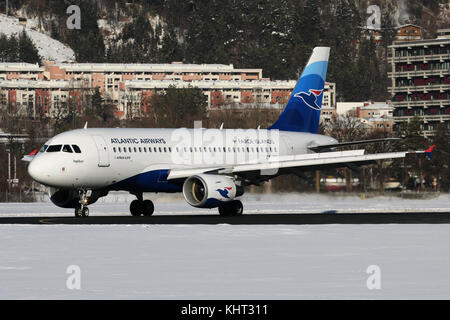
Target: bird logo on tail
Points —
{"points": [[310, 98]]}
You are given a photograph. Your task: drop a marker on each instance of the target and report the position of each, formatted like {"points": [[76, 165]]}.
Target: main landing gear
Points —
{"points": [[81, 210], [141, 207], [232, 208]]}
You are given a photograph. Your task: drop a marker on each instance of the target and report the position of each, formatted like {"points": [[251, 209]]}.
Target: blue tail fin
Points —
{"points": [[302, 112]]}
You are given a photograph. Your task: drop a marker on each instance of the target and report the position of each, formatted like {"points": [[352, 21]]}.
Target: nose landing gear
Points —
{"points": [[81, 210]]}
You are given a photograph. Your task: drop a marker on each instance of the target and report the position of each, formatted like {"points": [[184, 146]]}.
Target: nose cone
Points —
{"points": [[36, 171]]}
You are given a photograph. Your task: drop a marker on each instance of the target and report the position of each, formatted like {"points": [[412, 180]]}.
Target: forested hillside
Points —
{"points": [[275, 35]]}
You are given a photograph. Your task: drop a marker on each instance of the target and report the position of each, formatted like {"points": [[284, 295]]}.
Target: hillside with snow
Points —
{"points": [[49, 49]]}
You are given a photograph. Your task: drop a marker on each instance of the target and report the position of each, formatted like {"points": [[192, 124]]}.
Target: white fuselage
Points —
{"points": [[128, 159]]}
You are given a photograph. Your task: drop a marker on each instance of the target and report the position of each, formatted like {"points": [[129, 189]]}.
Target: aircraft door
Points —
{"points": [[103, 152]]}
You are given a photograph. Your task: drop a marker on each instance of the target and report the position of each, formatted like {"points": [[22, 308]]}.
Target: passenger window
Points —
{"points": [[54, 148], [67, 149], [76, 148], [120, 149]]}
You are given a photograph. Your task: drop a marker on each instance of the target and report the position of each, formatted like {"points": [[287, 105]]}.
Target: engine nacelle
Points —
{"points": [[210, 190], [69, 198]]}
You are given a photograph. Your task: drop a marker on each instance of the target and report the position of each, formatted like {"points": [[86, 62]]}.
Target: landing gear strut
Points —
{"points": [[232, 208], [81, 210], [141, 207]]}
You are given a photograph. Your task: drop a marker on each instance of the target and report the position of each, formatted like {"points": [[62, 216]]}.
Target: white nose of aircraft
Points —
{"points": [[35, 171], [43, 171]]}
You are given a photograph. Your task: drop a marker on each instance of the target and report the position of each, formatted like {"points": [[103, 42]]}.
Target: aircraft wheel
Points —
{"points": [[135, 208], [85, 212], [78, 212], [148, 207], [232, 208]]}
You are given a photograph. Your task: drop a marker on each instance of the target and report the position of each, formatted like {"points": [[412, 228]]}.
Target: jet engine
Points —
{"points": [[209, 190], [69, 198]]}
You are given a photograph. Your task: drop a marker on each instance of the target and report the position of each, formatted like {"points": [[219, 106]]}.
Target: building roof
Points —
{"points": [[398, 44], [19, 66], [157, 67], [39, 84], [207, 84]]}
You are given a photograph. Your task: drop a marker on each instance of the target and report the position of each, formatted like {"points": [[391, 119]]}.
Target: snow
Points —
{"points": [[117, 203], [49, 49], [225, 262]]}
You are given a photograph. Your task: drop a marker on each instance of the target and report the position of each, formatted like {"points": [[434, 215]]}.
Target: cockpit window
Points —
{"points": [[44, 147], [67, 148], [54, 148], [76, 148]]}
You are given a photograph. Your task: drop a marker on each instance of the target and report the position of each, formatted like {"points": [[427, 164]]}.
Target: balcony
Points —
{"points": [[423, 58], [431, 87], [421, 103], [419, 73], [425, 118]]}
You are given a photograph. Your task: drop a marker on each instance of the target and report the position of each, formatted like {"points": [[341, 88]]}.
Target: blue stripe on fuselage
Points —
{"points": [[151, 181]]}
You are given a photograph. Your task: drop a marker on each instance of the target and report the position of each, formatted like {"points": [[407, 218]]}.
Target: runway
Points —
{"points": [[330, 217]]}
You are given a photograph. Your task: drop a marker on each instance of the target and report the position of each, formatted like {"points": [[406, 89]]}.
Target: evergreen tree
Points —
{"points": [[4, 43], [27, 50]]}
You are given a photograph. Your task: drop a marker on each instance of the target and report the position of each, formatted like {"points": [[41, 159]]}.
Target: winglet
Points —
{"points": [[85, 125], [30, 156], [429, 151]]}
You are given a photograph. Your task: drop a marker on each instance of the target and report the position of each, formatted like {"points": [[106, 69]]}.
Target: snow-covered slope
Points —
{"points": [[49, 49]]}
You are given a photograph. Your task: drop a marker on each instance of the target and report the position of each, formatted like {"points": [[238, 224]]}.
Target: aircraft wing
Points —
{"points": [[303, 162], [326, 147]]}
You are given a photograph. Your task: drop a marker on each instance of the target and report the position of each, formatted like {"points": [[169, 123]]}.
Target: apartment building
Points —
{"points": [[30, 89], [39, 98], [420, 81], [220, 93]]}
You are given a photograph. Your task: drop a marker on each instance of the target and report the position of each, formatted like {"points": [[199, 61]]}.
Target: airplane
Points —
{"points": [[210, 167]]}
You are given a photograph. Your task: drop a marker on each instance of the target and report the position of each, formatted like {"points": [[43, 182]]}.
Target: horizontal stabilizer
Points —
{"points": [[329, 147]]}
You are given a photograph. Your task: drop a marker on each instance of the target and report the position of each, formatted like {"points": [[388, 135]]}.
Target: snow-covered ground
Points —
{"points": [[117, 203], [49, 49], [224, 262], [227, 261]]}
